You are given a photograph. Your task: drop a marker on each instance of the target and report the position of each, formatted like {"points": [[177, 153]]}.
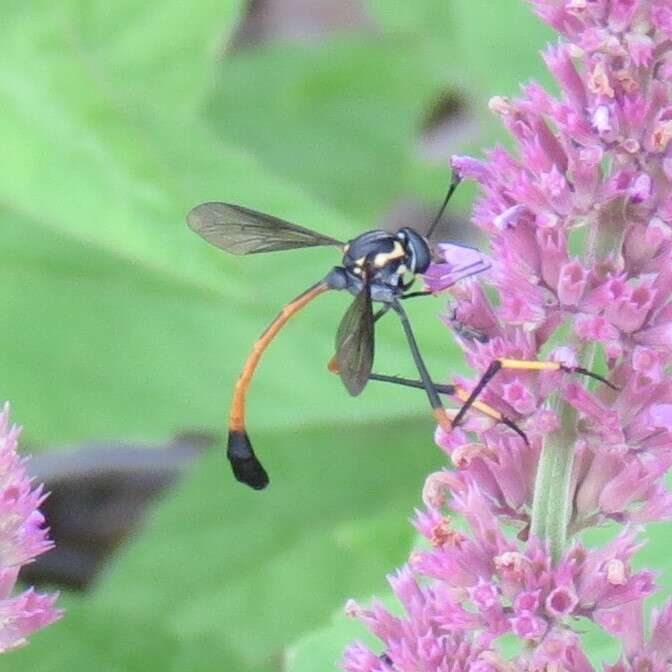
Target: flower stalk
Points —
{"points": [[552, 488]]}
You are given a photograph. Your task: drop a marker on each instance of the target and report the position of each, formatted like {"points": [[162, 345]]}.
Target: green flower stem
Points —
{"points": [[551, 506], [552, 503], [552, 496]]}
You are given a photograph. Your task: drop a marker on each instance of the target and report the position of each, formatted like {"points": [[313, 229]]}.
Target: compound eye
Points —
{"points": [[418, 253]]}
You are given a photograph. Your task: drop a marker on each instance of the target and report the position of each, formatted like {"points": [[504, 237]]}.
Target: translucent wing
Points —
{"points": [[355, 343], [239, 230]]}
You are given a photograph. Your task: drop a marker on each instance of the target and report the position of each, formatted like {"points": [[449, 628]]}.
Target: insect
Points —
{"points": [[377, 266]]}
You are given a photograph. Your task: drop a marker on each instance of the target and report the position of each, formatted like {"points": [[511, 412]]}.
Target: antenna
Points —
{"points": [[455, 180]]}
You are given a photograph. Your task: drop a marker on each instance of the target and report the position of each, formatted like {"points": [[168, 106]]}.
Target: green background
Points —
{"points": [[117, 118]]}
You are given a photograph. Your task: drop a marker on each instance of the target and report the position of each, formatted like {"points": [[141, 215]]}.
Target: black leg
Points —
{"points": [[585, 372], [523, 365], [408, 382], [381, 312], [427, 383], [386, 306], [449, 390], [485, 379], [413, 295]]}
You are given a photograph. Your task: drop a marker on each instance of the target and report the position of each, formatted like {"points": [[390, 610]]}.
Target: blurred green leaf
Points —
{"points": [[497, 51], [147, 336], [120, 321], [325, 646], [426, 19], [344, 118], [243, 573], [154, 55]]}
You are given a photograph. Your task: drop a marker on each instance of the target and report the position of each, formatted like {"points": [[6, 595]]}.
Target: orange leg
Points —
{"points": [[450, 390], [521, 365]]}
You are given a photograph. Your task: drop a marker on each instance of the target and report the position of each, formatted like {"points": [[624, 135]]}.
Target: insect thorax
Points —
{"points": [[384, 259]]}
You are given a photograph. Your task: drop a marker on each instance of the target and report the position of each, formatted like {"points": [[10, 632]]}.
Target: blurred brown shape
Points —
{"points": [[446, 126], [298, 21], [99, 494]]}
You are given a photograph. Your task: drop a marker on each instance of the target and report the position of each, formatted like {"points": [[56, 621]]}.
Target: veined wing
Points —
{"points": [[239, 230], [355, 343]]}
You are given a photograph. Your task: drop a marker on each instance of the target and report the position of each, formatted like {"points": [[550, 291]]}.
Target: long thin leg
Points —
{"points": [[246, 467], [449, 390], [433, 396], [381, 312], [520, 364], [386, 306], [453, 391], [414, 295]]}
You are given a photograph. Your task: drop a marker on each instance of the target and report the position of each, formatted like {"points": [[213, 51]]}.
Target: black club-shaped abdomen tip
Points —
{"points": [[246, 467]]}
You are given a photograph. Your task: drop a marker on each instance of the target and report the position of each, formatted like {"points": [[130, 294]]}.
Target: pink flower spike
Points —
{"points": [[484, 595], [360, 659], [578, 215], [22, 538], [561, 650], [661, 15], [470, 169], [640, 48], [630, 311], [631, 484], [604, 422], [527, 601], [602, 120], [23, 615]]}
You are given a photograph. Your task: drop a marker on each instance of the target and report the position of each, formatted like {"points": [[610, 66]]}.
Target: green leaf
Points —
{"points": [[344, 118], [245, 573], [498, 49], [127, 324], [324, 647], [151, 53], [337, 118], [118, 320]]}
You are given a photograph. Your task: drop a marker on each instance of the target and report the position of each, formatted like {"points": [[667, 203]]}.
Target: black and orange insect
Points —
{"points": [[377, 267]]}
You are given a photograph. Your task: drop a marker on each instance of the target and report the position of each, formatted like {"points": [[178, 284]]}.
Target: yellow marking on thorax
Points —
{"points": [[384, 258]]}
